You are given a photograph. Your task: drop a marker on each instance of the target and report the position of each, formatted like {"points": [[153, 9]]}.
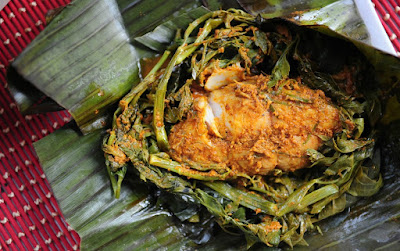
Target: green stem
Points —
{"points": [[139, 89], [194, 24], [181, 54], [117, 192], [178, 168], [159, 63], [115, 116], [208, 27], [318, 206], [147, 80], [293, 202], [111, 138], [244, 198], [113, 181], [318, 195], [158, 112]]}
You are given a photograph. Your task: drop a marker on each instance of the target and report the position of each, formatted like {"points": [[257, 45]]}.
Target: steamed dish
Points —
{"points": [[245, 122]]}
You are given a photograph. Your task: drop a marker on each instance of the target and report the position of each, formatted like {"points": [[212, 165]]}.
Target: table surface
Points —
{"points": [[30, 218]]}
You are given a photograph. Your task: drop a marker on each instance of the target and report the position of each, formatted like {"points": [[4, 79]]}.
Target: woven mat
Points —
{"points": [[30, 218]]}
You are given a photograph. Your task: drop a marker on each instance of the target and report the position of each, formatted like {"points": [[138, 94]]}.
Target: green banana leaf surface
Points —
{"points": [[134, 222], [141, 219], [86, 50]]}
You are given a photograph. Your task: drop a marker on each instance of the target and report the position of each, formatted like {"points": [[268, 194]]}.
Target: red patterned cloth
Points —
{"points": [[30, 218], [388, 12]]}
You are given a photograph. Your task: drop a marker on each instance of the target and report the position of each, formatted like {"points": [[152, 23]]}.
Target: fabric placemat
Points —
{"points": [[30, 218]]}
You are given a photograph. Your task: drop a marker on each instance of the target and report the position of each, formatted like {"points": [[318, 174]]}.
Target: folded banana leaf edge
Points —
{"points": [[107, 223]]}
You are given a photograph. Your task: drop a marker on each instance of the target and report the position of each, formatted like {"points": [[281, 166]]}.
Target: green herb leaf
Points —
{"points": [[281, 69], [364, 185]]}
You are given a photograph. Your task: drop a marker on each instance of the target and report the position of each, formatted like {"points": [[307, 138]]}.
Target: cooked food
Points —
{"points": [[240, 122]]}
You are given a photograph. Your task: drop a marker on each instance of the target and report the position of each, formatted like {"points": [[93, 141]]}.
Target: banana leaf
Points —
{"points": [[30, 100], [74, 165], [85, 51], [280, 8], [75, 168], [337, 18], [141, 17], [370, 223], [340, 16], [137, 18], [85, 196]]}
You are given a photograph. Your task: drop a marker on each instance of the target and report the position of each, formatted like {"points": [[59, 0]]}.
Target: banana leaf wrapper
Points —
{"points": [[49, 64], [79, 180], [86, 51], [366, 228]]}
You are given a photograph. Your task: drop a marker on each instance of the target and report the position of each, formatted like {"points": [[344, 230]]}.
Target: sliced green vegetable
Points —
{"points": [[295, 199], [318, 195]]}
